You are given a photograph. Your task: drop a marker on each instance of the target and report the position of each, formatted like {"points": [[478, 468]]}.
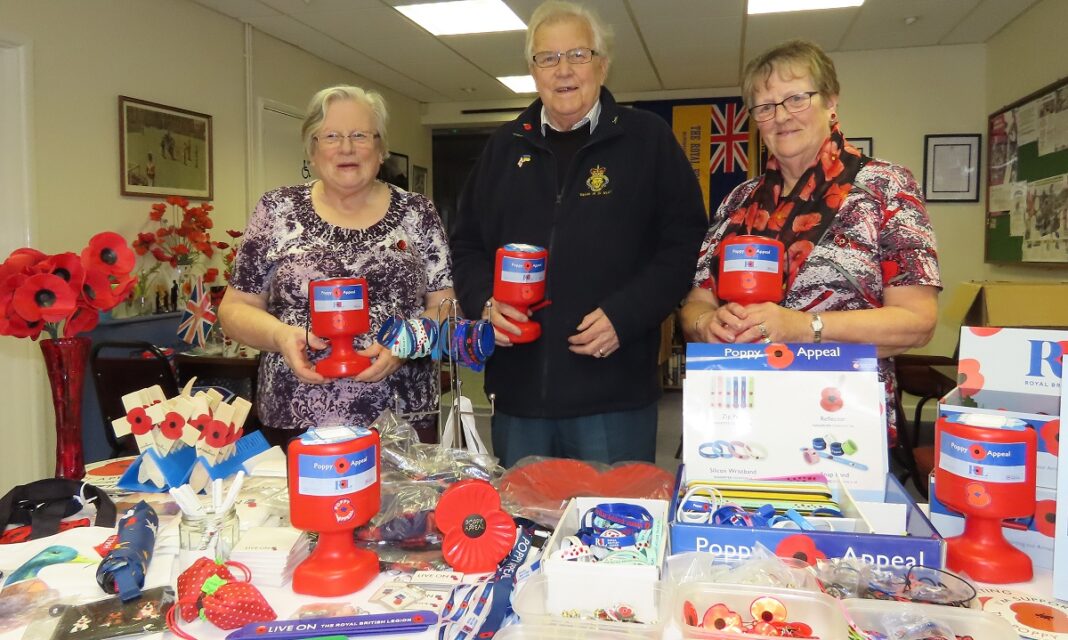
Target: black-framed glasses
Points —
{"points": [[793, 104], [578, 55], [357, 138]]}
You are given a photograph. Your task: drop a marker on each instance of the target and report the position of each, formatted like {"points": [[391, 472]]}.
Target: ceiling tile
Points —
{"points": [[825, 28], [241, 9], [986, 20], [498, 54], [880, 24]]}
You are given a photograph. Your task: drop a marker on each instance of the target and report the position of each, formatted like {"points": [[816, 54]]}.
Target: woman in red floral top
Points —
{"points": [[861, 259]]}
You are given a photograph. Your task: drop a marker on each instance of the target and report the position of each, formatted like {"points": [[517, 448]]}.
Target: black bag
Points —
{"points": [[41, 505]]}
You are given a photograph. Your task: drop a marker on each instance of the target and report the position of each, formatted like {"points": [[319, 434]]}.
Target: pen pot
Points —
{"points": [[211, 535]]}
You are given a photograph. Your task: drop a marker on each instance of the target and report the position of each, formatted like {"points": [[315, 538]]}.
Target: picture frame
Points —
{"points": [[865, 145], [395, 170], [164, 151], [951, 167], [419, 178]]}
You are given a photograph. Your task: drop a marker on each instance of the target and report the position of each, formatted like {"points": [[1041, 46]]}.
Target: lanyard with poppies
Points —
{"points": [[801, 218]]}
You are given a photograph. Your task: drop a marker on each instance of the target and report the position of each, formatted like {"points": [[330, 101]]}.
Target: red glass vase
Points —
{"points": [[65, 360]]}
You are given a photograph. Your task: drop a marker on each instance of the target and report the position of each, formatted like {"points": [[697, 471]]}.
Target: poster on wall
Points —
{"points": [[164, 151]]}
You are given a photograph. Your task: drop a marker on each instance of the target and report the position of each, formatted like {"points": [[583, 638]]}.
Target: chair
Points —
{"points": [[124, 371], [916, 376]]}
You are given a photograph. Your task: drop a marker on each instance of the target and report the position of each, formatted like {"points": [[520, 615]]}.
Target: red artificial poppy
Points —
{"points": [[763, 629], [216, 433], [1051, 436], [720, 617], [211, 274], [779, 355], [201, 423], [172, 426], [801, 547], [768, 609], [44, 297], [97, 290], [24, 258], [1046, 517], [1043, 617], [143, 243], [158, 209], [67, 266], [109, 251], [805, 222], [178, 201], [121, 287], [181, 250], [83, 319], [478, 533], [16, 326], [969, 378], [139, 421], [689, 614]]}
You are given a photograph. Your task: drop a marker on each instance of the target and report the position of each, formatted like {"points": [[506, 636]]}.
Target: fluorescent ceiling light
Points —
{"points": [[463, 16], [519, 84], [783, 6]]}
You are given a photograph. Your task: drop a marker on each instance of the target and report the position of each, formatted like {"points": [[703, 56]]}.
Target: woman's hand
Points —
{"points": [[291, 343], [596, 336], [383, 363], [768, 322]]}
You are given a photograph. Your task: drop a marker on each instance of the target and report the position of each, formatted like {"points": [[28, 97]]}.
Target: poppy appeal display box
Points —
{"points": [[892, 533], [1013, 374]]}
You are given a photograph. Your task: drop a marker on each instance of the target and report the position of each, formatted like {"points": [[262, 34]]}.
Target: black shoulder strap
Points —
{"points": [[44, 503]]}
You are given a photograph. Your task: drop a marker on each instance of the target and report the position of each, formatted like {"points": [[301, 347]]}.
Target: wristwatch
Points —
{"points": [[817, 328]]}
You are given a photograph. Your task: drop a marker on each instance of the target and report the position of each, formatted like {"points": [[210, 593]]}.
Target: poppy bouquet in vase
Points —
{"points": [[63, 295]]}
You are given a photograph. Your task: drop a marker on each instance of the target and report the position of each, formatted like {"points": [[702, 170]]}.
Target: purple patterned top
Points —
{"points": [[880, 238], [403, 257]]}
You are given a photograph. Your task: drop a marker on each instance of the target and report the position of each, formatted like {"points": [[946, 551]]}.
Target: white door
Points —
{"points": [[281, 156]]}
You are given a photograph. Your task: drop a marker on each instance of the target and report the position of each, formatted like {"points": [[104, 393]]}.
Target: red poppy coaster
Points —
{"points": [[478, 533]]}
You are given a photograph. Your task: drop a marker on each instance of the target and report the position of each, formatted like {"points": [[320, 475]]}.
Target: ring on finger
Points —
{"points": [[763, 330]]}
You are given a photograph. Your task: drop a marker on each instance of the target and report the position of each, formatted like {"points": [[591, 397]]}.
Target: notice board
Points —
{"points": [[1027, 179]]}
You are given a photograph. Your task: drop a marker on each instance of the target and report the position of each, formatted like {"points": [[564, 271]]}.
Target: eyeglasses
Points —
{"points": [[357, 138], [794, 104], [579, 55]]}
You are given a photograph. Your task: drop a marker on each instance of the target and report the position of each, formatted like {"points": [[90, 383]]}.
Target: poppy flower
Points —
{"points": [[1051, 436], [234, 233], [83, 319], [178, 201], [797, 254], [67, 266], [689, 614], [768, 609], [805, 222], [109, 251], [801, 547], [216, 433], [96, 290], [158, 209], [121, 287], [779, 356], [478, 533], [836, 194], [720, 617], [1033, 615], [341, 466], [44, 297], [211, 274], [172, 426], [139, 421], [16, 326], [970, 379], [810, 186], [23, 258], [143, 243], [201, 422]]}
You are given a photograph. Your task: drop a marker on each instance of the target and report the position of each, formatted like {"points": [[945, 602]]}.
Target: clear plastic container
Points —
{"points": [[525, 631], [531, 607], [819, 611], [980, 625]]}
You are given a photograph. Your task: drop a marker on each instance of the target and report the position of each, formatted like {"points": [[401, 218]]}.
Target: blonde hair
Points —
{"points": [[790, 57], [313, 119], [555, 11]]}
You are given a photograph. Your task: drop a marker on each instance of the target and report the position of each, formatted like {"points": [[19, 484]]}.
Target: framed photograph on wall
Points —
{"points": [[865, 145], [395, 170], [164, 151], [419, 177], [951, 167]]}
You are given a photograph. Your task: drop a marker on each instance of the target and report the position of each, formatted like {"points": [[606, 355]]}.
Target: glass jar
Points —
{"points": [[210, 535]]}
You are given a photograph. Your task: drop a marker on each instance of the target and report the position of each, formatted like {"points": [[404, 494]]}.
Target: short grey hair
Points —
{"points": [[795, 57], [559, 11], [313, 119]]}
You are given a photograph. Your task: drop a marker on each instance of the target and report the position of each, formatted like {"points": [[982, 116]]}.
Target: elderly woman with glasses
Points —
{"points": [[607, 191], [344, 224], [861, 264]]}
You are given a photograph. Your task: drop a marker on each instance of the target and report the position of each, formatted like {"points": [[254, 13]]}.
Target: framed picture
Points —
{"points": [[865, 145], [395, 170], [951, 167], [419, 179], [164, 151]]}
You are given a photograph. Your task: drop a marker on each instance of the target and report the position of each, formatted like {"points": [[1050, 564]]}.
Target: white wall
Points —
{"points": [[174, 52]]}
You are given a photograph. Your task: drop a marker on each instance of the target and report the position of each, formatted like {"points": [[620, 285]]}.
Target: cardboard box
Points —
{"points": [[1008, 304], [1013, 373], [1060, 551], [922, 545], [586, 586], [1032, 535]]}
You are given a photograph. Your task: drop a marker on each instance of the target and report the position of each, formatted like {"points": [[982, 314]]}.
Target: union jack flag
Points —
{"points": [[730, 138], [198, 317]]}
